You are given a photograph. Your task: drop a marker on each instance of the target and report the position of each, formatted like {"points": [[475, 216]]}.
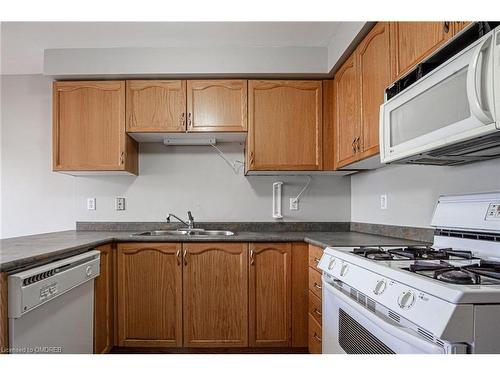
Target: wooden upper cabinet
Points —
{"points": [[375, 75], [217, 105], [346, 91], [270, 294], [89, 127], [284, 126], [104, 302], [215, 293], [413, 41], [156, 106], [459, 26], [149, 294]]}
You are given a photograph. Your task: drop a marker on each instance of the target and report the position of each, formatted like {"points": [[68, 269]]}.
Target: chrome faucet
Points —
{"points": [[189, 224]]}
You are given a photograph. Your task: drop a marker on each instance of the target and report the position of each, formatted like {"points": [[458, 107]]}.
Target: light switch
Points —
{"points": [[91, 204], [120, 204]]}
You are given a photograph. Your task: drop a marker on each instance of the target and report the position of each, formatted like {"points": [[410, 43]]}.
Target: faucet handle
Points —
{"points": [[190, 217]]}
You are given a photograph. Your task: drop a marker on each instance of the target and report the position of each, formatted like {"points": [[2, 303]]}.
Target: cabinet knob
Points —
{"points": [[446, 27], [183, 119], [185, 257], [252, 259], [178, 256], [189, 119]]}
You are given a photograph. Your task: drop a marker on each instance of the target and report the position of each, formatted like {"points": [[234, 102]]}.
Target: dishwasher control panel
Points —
{"points": [[34, 287]]}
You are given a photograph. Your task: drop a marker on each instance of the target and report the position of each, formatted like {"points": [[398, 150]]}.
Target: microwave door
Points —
{"points": [[436, 111]]}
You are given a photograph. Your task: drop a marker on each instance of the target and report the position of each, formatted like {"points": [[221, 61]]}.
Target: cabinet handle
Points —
{"points": [[446, 27], [316, 285], [178, 256], [189, 119], [252, 260], [251, 158], [185, 257], [316, 311], [122, 157], [358, 144], [354, 146], [316, 260], [317, 337], [183, 115]]}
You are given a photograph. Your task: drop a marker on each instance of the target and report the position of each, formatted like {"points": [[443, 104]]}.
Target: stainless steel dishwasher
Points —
{"points": [[51, 307]]}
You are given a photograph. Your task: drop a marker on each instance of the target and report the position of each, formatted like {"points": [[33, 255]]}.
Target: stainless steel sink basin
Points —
{"points": [[193, 233]]}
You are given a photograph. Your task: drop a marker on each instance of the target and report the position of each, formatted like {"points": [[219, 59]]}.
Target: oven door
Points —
{"points": [[350, 328], [453, 103]]}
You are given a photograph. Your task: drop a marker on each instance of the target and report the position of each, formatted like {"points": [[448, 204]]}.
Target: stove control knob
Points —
{"points": [[331, 263], [380, 287], [344, 269], [406, 300]]}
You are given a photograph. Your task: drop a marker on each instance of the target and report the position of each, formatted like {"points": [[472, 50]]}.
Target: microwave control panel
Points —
{"points": [[493, 212]]}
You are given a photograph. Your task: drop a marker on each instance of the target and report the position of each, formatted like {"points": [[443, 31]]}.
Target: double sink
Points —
{"points": [[186, 232]]}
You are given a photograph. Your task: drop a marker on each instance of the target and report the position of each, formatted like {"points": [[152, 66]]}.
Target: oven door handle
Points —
{"points": [[399, 332]]}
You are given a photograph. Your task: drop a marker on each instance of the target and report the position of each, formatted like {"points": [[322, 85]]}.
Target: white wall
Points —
{"points": [[412, 191], [35, 199]]}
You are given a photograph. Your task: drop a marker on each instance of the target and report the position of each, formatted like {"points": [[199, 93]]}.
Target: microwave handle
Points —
{"points": [[482, 114]]}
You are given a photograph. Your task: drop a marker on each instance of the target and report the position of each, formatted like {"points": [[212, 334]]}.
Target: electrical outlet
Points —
{"points": [[120, 204], [294, 204], [91, 204], [383, 202]]}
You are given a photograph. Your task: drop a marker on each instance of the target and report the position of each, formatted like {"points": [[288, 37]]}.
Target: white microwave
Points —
{"points": [[450, 116]]}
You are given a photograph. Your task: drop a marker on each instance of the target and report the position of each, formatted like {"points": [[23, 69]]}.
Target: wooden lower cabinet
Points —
{"points": [[149, 294], [104, 302], [215, 291], [270, 294], [299, 294], [315, 309]]}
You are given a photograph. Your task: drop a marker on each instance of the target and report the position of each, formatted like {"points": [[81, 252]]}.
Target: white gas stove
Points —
{"points": [[443, 298]]}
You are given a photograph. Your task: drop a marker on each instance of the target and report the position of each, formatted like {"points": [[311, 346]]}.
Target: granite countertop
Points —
{"points": [[20, 252]]}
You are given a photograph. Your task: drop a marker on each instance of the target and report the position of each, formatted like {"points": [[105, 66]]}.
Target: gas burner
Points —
{"points": [[430, 253], [457, 276], [374, 253]]}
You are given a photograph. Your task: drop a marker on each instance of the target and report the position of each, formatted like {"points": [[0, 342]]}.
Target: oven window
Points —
{"points": [[441, 105], [356, 339]]}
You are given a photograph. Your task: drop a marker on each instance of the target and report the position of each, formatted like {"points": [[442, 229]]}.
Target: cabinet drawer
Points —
{"points": [[315, 282], [314, 336], [315, 307], [315, 254]]}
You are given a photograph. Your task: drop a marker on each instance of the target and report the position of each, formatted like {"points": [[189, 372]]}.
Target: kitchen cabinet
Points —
{"points": [[346, 89], [270, 294], [300, 277], [89, 128], [459, 26], [4, 322], [149, 294], [215, 294], [411, 42], [359, 91], [374, 70], [284, 126], [156, 106], [104, 302], [217, 105], [314, 300]]}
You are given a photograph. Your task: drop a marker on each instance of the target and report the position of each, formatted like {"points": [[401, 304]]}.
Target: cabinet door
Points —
{"points": [[375, 74], [346, 112], [215, 292], [149, 294], [217, 105], [156, 106], [459, 26], [4, 320], [103, 302], [284, 125], [270, 294], [413, 41], [89, 127], [300, 286]]}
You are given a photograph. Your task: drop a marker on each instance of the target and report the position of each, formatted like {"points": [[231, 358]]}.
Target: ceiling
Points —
{"points": [[23, 43]]}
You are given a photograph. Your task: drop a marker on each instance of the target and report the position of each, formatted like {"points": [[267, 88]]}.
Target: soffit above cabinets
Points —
{"points": [[66, 50]]}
